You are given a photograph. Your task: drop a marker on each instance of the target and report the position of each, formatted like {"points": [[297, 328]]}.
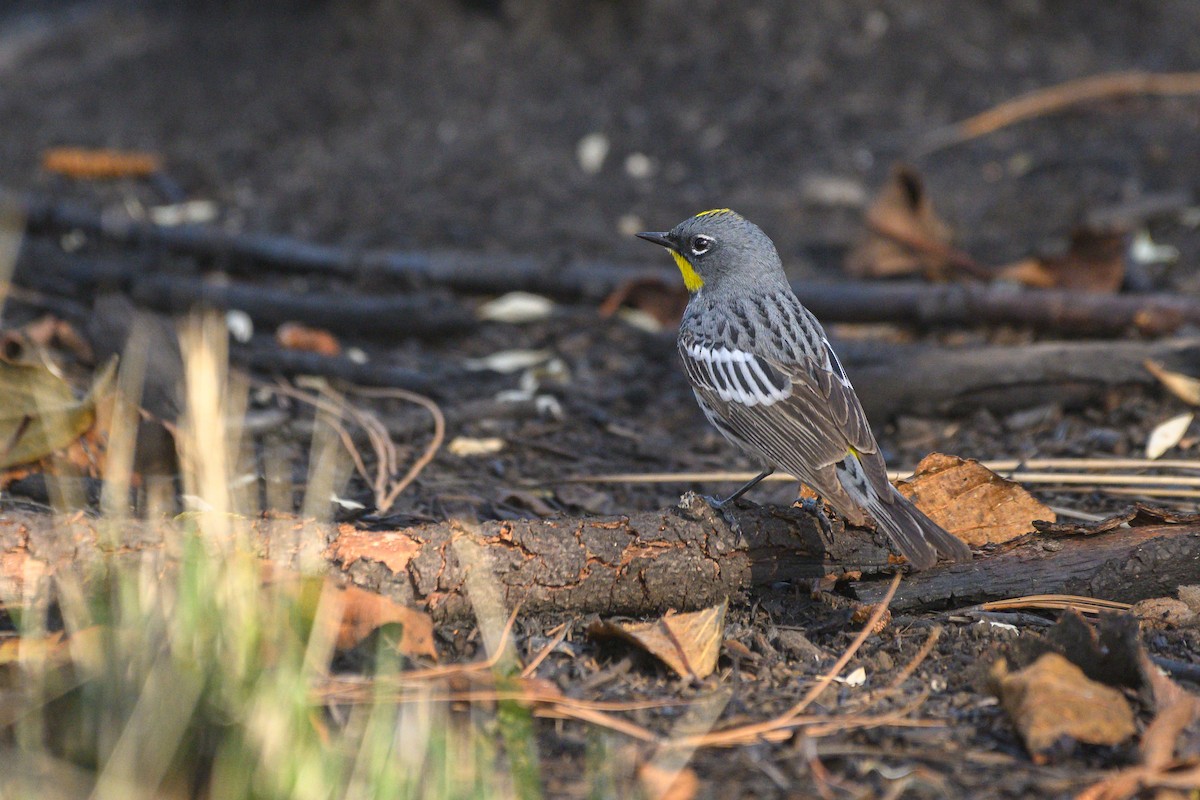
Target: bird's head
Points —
{"points": [[719, 247]]}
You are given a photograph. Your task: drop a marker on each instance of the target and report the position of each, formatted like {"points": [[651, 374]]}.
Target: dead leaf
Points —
{"points": [[1094, 262], [1052, 701], [1185, 387], [668, 784], [688, 643], [39, 413], [365, 612], [904, 236], [662, 302], [1167, 434], [294, 336], [972, 502], [95, 164]]}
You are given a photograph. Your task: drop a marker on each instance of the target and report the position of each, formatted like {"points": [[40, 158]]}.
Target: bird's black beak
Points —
{"points": [[663, 239]]}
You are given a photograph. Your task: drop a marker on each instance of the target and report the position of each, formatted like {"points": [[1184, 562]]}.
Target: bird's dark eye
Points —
{"points": [[701, 245]]}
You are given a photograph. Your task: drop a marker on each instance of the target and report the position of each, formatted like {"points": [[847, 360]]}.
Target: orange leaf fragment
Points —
{"points": [[972, 502], [88, 164], [392, 549], [295, 336], [365, 612], [668, 784]]}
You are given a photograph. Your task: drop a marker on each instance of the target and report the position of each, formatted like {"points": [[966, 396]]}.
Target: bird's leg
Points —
{"points": [[720, 504]]}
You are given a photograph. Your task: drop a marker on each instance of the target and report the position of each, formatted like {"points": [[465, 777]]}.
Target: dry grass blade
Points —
{"points": [[384, 488], [1168, 486], [1054, 602], [439, 436]]}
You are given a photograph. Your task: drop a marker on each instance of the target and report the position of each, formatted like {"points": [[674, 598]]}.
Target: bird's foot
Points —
{"points": [[717, 504], [816, 507]]}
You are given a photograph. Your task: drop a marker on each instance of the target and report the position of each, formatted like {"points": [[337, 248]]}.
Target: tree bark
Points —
{"points": [[685, 557], [1124, 564]]}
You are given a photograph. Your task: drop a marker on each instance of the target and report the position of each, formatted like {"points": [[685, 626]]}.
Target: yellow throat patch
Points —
{"points": [[691, 278]]}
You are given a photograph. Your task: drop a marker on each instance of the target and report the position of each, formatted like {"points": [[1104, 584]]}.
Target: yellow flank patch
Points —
{"points": [[713, 212], [854, 452], [691, 278]]}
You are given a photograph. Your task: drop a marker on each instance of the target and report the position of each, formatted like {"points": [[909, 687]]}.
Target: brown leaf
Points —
{"points": [[663, 302], [365, 612], [687, 643], [294, 336], [1094, 262], [904, 236], [972, 502], [1052, 700]]}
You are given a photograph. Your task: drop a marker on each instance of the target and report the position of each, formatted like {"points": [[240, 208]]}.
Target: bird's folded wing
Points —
{"points": [[800, 413]]}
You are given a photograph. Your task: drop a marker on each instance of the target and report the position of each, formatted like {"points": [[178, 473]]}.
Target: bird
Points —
{"points": [[766, 377]]}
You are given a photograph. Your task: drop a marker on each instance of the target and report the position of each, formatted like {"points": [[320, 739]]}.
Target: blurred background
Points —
{"points": [[557, 128]]}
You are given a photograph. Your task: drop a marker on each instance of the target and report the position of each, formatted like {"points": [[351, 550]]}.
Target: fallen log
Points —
{"points": [[392, 315], [947, 381], [686, 557], [1123, 564], [1067, 312]]}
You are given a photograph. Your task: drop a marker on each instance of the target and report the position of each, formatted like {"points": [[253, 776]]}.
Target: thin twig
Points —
{"points": [[1056, 98]]}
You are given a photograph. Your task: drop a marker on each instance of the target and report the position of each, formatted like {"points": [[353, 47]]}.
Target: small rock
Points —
{"points": [[1033, 418], [797, 645], [1164, 612], [639, 165], [1191, 596]]}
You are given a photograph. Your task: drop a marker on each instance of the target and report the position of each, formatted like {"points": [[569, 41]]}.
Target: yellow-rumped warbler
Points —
{"points": [[766, 377]]}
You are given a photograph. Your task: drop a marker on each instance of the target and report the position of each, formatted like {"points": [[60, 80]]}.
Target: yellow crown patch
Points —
{"points": [[712, 212]]}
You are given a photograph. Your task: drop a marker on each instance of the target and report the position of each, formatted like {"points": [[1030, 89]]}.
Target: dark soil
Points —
{"points": [[454, 126]]}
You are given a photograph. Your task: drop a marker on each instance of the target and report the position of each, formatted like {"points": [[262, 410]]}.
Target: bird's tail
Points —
{"points": [[918, 538]]}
